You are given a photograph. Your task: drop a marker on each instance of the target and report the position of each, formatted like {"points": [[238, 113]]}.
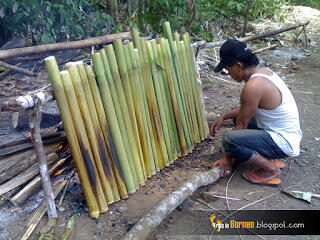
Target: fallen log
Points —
{"points": [[152, 219], [18, 69], [15, 104], [25, 176], [255, 37], [17, 52], [34, 185]]}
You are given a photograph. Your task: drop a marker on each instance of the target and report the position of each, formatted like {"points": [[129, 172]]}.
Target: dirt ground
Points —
{"points": [[299, 66]]}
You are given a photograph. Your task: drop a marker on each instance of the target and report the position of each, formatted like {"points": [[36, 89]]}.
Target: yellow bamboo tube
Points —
{"points": [[90, 129], [181, 80], [84, 141], [196, 88], [190, 92], [106, 156], [170, 113], [106, 132], [151, 142], [139, 107], [60, 95], [114, 123], [126, 74], [154, 58], [114, 66], [175, 104], [185, 78], [157, 127], [119, 114], [146, 77]]}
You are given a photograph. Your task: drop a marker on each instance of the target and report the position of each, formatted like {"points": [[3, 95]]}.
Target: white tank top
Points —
{"points": [[282, 123]]}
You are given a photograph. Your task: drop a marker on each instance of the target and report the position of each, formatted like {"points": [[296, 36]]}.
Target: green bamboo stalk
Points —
{"points": [[139, 107], [104, 146], [200, 104], [170, 113], [194, 113], [83, 140], [107, 133], [175, 105], [119, 114], [172, 52], [181, 108], [130, 89], [60, 96], [147, 119], [154, 57], [147, 95], [187, 91], [90, 129], [158, 105], [184, 93], [176, 36], [114, 66], [114, 122]]}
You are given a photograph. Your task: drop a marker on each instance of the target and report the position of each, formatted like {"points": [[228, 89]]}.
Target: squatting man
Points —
{"points": [[267, 124]]}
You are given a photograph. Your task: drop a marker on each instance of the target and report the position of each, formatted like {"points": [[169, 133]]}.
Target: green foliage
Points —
{"points": [[309, 3], [52, 21]]}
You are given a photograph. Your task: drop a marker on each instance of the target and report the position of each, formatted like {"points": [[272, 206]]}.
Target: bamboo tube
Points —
{"points": [[187, 92], [153, 107], [194, 113], [179, 101], [147, 120], [102, 143], [91, 131], [60, 96], [83, 140], [124, 108], [119, 114], [170, 113], [107, 133], [147, 95], [113, 122], [181, 80], [139, 108], [125, 69], [196, 88], [176, 36], [159, 89], [175, 106]]}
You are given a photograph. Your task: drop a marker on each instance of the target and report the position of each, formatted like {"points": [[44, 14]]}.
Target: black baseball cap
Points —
{"points": [[231, 51]]}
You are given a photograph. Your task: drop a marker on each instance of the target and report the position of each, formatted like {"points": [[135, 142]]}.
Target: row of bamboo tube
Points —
{"points": [[135, 111]]}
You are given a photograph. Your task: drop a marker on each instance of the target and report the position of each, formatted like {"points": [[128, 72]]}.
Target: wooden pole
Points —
{"points": [[17, 52], [17, 69], [34, 122]]}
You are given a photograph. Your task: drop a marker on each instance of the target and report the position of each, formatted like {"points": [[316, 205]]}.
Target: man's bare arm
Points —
{"points": [[249, 99]]}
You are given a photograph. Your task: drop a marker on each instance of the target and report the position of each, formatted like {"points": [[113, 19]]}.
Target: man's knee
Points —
{"points": [[228, 139]]}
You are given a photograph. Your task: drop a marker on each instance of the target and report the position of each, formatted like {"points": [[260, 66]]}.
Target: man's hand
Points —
{"points": [[216, 125], [224, 164]]}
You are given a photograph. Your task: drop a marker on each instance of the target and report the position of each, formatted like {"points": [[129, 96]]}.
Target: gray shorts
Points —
{"points": [[242, 144]]}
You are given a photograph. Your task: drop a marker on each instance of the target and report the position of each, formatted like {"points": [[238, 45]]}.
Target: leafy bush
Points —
{"points": [[52, 21]]}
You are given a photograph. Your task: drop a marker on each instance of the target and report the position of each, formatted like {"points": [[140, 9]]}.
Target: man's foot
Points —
{"points": [[278, 163], [263, 177]]}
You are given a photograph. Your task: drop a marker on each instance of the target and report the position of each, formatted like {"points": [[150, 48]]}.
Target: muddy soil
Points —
{"points": [[301, 173]]}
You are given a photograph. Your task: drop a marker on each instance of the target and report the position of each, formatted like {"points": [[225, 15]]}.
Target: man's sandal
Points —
{"points": [[275, 182], [277, 163]]}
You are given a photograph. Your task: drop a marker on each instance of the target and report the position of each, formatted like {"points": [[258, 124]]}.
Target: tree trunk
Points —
{"points": [[246, 18], [113, 4]]}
